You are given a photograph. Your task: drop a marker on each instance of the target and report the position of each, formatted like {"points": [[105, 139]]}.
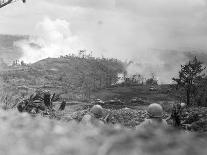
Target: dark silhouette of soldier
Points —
{"points": [[62, 106]]}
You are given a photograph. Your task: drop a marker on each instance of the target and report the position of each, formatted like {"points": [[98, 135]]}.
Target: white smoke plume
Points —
{"points": [[52, 39], [164, 64]]}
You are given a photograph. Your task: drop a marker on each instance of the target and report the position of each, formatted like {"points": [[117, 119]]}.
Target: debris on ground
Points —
{"points": [[97, 101], [137, 100], [125, 117], [119, 104], [41, 102], [195, 119]]}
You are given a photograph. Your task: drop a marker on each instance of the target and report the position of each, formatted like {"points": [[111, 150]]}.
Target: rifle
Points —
{"points": [[105, 118]]}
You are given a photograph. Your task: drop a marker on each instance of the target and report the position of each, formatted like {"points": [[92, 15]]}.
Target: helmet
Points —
{"points": [[97, 110], [155, 110], [182, 105], [46, 92]]}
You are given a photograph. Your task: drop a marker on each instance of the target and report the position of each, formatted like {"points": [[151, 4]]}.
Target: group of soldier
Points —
{"points": [[95, 116], [155, 116]]}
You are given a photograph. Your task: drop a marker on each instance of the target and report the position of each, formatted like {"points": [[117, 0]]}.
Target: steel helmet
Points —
{"points": [[182, 105], [155, 110], [97, 110]]}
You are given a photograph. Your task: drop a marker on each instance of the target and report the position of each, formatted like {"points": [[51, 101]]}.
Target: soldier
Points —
{"points": [[22, 105], [46, 97], [62, 106], [155, 113], [94, 117], [176, 114]]}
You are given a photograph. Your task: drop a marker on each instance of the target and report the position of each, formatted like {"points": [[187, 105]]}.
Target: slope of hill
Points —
{"points": [[73, 76]]}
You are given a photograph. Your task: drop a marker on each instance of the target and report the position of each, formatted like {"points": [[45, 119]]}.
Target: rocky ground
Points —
{"points": [[22, 134], [60, 132], [193, 118]]}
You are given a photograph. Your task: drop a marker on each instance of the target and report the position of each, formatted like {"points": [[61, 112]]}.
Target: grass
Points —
{"points": [[71, 76], [126, 93]]}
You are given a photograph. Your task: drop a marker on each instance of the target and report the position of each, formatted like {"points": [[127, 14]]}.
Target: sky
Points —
{"points": [[158, 35]]}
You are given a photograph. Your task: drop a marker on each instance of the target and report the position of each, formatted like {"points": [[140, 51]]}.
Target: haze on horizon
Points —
{"points": [[158, 35]]}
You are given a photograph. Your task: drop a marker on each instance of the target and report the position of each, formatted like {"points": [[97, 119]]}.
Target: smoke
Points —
{"points": [[52, 39], [164, 64]]}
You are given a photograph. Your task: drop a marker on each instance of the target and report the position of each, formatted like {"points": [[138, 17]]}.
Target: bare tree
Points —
{"points": [[6, 2]]}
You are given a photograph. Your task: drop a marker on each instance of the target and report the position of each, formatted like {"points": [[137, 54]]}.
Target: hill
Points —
{"points": [[74, 77]]}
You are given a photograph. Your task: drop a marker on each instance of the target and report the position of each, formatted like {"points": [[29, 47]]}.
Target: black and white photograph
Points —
{"points": [[103, 77]]}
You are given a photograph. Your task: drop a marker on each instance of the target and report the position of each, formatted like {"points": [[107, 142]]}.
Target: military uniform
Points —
{"points": [[153, 122], [176, 114], [155, 113], [94, 117]]}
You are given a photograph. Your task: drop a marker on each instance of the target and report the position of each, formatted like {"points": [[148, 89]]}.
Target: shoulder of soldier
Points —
{"points": [[99, 123], [145, 123], [164, 123]]}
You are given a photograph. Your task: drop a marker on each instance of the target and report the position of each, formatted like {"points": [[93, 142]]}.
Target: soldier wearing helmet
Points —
{"points": [[183, 105], [176, 114], [155, 113], [94, 117]]}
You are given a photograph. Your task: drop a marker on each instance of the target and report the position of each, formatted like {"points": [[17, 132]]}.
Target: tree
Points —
{"points": [[6, 2], [201, 93], [189, 76]]}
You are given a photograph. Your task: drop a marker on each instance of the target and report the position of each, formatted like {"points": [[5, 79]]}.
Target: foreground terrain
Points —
{"points": [[22, 134]]}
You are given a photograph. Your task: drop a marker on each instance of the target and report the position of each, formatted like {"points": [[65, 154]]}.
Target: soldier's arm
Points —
{"points": [[105, 119], [169, 117]]}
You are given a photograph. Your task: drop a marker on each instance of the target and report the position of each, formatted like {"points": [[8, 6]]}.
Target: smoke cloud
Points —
{"points": [[53, 38], [158, 36]]}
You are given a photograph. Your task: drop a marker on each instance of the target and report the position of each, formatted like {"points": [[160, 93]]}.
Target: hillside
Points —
{"points": [[72, 76]]}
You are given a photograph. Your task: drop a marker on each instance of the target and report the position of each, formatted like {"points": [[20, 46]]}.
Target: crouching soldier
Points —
{"points": [[176, 114], [94, 117], [155, 113]]}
